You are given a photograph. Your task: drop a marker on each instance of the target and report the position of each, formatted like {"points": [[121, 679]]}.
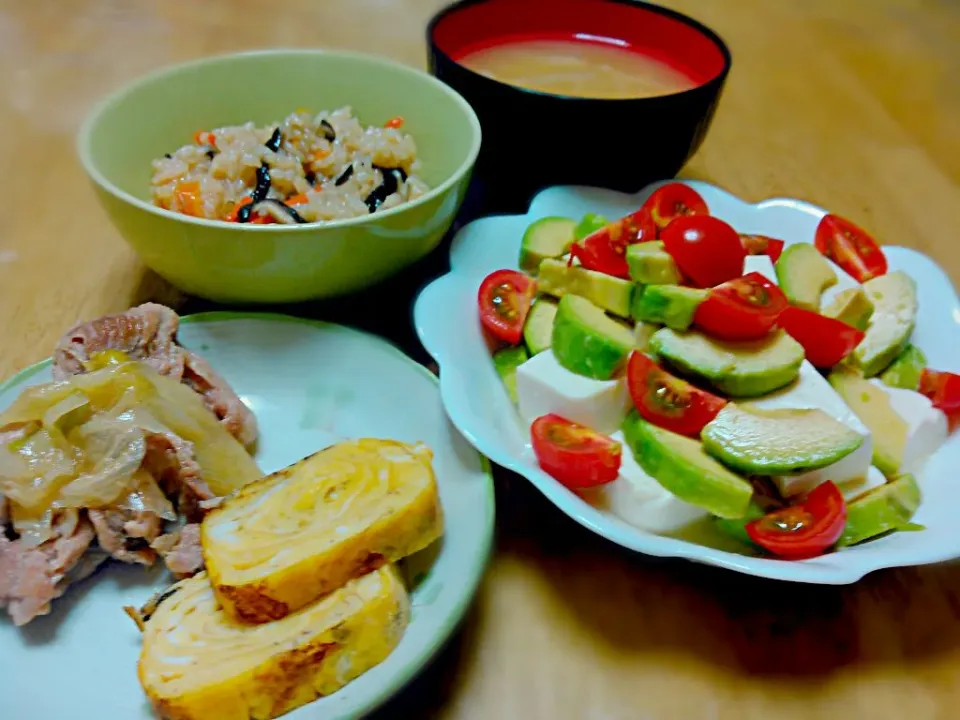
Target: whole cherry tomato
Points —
{"points": [[705, 248]]}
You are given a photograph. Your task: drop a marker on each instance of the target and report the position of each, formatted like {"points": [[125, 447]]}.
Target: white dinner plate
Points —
{"points": [[447, 322], [310, 385]]}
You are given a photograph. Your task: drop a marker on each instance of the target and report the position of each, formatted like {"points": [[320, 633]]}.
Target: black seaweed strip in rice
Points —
{"points": [[329, 134], [294, 215], [344, 176], [392, 177], [259, 193], [276, 139]]}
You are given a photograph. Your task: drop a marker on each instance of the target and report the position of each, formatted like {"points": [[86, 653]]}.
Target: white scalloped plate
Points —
{"points": [[310, 384], [446, 320]]}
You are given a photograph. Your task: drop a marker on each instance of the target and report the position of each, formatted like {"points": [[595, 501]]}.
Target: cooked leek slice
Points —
{"points": [[302, 532], [197, 663]]}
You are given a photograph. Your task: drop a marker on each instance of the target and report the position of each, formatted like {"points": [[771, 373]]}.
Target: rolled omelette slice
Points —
{"points": [[198, 663], [302, 532]]}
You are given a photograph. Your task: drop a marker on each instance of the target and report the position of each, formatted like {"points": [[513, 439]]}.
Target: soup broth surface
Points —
{"points": [[577, 68]]}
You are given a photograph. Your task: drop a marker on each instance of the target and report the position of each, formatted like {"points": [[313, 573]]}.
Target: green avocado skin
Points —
{"points": [[737, 527], [670, 305], [507, 361], [733, 381], [882, 510], [905, 371], [584, 352], [684, 478]]}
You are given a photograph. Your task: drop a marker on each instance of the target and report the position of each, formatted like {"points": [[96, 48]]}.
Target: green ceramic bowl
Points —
{"points": [[230, 262]]}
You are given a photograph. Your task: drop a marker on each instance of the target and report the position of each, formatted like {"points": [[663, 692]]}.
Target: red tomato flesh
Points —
{"points": [[825, 341], [943, 389], [705, 248], [745, 308], [605, 250], [850, 247], [574, 455], [668, 401], [504, 299], [805, 530], [762, 245], [674, 200]]}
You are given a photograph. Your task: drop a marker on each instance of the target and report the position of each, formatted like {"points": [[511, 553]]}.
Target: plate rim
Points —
{"points": [[637, 540], [482, 551]]}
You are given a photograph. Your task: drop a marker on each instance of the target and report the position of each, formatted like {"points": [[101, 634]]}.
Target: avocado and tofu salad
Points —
{"points": [[673, 370]]}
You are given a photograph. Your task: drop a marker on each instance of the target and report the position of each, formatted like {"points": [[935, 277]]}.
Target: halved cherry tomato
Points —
{"points": [[605, 250], [762, 245], [745, 308], [504, 298], [850, 247], [705, 248], [825, 341], [804, 530], [668, 401], [943, 389], [574, 455], [674, 200]]}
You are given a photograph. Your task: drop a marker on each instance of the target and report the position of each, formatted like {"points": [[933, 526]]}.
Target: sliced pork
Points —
{"points": [[181, 551], [149, 333], [31, 577]]}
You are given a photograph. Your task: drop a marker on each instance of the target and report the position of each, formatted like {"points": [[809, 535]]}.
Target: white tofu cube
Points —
{"points": [[812, 391], [760, 264], [638, 499], [852, 489], [927, 427], [545, 386]]}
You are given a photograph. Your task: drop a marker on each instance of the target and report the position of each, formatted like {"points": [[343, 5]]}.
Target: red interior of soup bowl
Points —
{"points": [[653, 31]]}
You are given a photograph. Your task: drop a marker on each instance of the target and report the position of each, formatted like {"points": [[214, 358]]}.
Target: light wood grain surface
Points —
{"points": [[853, 105]]}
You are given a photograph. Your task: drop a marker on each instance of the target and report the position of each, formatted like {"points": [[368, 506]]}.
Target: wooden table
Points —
{"points": [[854, 105]]}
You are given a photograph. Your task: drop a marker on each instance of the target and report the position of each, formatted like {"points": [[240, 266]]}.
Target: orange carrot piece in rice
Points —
{"points": [[395, 123], [188, 197], [300, 199]]}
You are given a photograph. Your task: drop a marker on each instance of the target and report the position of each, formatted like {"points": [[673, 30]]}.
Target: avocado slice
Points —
{"points": [[894, 298], [670, 305], [737, 527], [587, 341], [803, 274], [611, 293], [739, 369], [589, 224], [683, 468], [851, 306], [538, 329], [548, 237], [650, 264], [881, 510], [904, 372], [872, 405], [507, 361], [777, 442]]}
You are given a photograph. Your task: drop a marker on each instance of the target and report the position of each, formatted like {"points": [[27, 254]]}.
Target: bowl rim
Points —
{"points": [[641, 5], [84, 151]]}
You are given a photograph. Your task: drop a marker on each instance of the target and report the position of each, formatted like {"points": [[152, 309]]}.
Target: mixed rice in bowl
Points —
{"points": [[308, 168]]}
